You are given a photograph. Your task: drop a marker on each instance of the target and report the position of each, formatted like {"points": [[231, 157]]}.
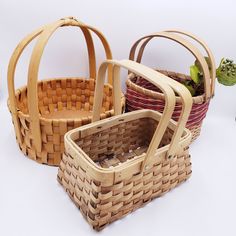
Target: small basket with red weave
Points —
{"points": [[141, 94]]}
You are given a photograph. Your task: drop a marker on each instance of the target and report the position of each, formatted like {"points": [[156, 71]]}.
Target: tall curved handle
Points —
{"points": [[201, 42], [34, 68], [10, 79], [164, 83], [208, 51], [190, 47], [15, 58]]}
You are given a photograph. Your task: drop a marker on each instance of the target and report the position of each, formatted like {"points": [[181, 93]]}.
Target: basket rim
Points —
{"points": [[102, 173], [26, 116], [129, 83]]}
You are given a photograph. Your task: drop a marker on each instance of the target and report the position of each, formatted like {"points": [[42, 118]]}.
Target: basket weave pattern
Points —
{"points": [[136, 100], [59, 97], [114, 166], [110, 148]]}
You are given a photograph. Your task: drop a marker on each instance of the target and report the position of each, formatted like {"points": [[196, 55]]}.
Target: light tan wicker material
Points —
{"points": [[114, 166], [42, 112]]}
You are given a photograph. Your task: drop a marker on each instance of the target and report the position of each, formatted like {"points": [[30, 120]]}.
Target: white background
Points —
{"points": [[31, 200]]}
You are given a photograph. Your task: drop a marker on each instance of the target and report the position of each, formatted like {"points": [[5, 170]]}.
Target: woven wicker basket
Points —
{"points": [[143, 95], [42, 112], [114, 166]]}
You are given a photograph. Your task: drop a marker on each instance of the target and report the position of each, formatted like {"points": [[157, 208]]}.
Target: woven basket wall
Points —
{"points": [[141, 94], [102, 203]]}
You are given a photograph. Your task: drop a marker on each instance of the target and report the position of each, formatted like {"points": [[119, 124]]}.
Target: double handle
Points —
{"points": [[165, 84], [207, 50], [186, 44], [43, 34]]}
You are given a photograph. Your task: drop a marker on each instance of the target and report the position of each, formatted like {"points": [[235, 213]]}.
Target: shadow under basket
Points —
{"points": [[101, 168], [64, 104], [141, 94]]}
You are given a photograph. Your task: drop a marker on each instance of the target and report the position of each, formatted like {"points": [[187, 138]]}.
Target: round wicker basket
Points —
{"points": [[43, 111]]}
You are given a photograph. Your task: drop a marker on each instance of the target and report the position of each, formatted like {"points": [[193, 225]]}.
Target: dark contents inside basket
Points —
{"points": [[122, 142], [173, 75]]}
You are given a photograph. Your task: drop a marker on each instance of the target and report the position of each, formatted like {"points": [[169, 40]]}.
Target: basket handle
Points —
{"points": [[163, 82], [201, 42], [208, 51], [15, 58], [10, 79], [17, 53], [190, 47], [34, 67]]}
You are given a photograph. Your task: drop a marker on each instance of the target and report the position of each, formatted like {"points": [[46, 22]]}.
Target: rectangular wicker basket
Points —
{"points": [[114, 166]]}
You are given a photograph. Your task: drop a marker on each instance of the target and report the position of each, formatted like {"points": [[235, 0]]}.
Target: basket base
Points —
{"points": [[68, 114]]}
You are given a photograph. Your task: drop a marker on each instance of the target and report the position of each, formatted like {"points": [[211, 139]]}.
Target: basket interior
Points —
{"points": [[173, 75], [65, 98], [115, 145]]}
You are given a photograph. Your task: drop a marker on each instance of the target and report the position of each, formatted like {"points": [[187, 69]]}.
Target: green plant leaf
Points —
{"points": [[194, 73], [191, 89], [189, 86]]}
